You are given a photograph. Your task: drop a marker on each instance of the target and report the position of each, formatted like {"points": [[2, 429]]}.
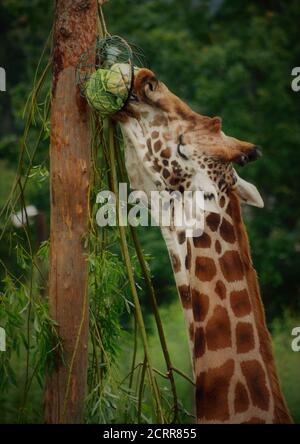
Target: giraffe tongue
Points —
{"points": [[248, 193]]}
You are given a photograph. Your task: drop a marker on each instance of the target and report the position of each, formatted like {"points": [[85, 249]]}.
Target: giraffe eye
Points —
{"points": [[180, 144], [151, 85], [133, 97]]}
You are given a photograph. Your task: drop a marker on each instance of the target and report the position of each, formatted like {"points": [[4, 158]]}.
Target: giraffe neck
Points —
{"points": [[233, 363]]}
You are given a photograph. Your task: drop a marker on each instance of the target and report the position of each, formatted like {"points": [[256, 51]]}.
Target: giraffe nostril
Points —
{"points": [[254, 154], [242, 160]]}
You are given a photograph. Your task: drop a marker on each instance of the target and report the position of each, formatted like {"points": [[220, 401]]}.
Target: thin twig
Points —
{"points": [[181, 373], [141, 389]]}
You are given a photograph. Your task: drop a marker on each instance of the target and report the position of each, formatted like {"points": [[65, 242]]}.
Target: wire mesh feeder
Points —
{"points": [[105, 73]]}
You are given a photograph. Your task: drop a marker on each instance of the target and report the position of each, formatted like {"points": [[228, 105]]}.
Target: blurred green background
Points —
{"points": [[224, 57]]}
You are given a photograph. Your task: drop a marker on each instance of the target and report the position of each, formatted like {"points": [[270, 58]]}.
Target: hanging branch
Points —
{"points": [[130, 273]]}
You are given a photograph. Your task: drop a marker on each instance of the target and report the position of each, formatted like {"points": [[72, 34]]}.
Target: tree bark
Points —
{"points": [[74, 31]]}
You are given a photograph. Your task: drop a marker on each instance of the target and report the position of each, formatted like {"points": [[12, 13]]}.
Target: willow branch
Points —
{"points": [[125, 252]]}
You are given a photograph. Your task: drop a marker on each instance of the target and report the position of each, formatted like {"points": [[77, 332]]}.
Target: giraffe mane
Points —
{"points": [[282, 415]]}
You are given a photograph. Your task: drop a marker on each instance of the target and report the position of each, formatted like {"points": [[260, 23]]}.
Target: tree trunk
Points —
{"points": [[74, 31]]}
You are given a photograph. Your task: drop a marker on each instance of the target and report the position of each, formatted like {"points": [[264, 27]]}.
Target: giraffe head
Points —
{"points": [[172, 147]]}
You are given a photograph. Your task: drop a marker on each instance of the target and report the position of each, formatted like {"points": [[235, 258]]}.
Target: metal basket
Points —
{"points": [[108, 55]]}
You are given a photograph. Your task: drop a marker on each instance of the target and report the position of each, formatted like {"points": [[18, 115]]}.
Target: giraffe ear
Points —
{"points": [[248, 193]]}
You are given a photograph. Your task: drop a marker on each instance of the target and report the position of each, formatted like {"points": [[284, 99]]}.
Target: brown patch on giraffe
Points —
{"points": [[149, 146], [212, 392], [188, 257], [200, 343], [159, 120], [181, 237], [240, 303], [255, 420], [220, 289], [166, 173], [166, 153], [156, 166], [177, 169], [157, 146], [256, 381], [231, 266], [222, 202], [200, 304], [218, 330], [165, 162], [202, 241], [185, 296], [191, 331], [213, 221], [175, 180], [154, 134], [175, 262], [205, 268], [244, 337], [241, 398], [218, 247], [227, 231]]}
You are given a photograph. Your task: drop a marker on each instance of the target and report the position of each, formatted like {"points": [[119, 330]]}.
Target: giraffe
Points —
{"points": [[169, 147]]}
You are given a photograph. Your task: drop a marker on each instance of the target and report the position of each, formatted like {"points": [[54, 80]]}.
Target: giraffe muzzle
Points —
{"points": [[254, 154]]}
